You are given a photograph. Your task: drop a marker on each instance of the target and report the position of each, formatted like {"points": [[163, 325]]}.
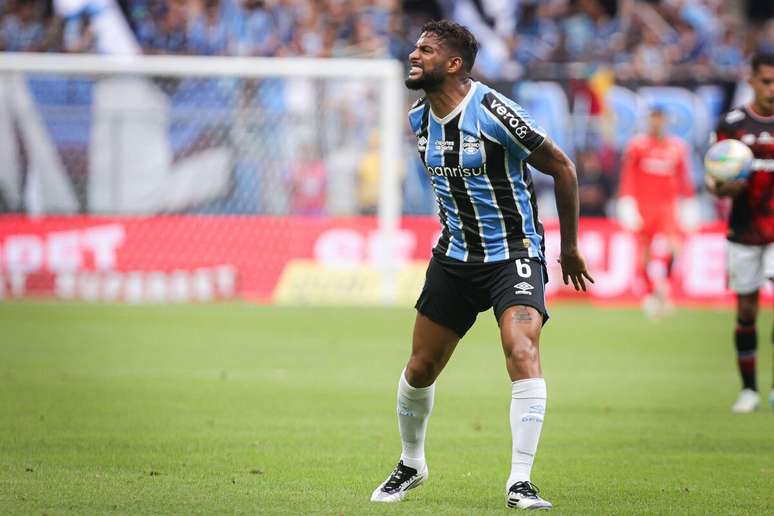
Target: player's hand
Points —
{"points": [[689, 214], [574, 269], [711, 183], [628, 215], [725, 188]]}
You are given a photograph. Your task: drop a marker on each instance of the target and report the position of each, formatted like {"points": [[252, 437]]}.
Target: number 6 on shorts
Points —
{"points": [[522, 268]]}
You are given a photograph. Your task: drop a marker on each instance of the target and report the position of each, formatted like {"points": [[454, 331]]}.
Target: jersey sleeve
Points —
{"points": [[510, 125], [628, 169], [415, 114], [685, 186], [725, 127]]}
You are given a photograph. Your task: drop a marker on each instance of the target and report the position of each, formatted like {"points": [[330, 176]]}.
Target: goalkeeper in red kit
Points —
{"points": [[655, 188]]}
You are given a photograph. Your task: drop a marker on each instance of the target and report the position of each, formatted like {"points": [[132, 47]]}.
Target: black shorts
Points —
{"points": [[456, 292]]}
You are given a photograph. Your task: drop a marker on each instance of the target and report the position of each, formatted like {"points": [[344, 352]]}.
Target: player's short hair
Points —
{"points": [[762, 59], [457, 37]]}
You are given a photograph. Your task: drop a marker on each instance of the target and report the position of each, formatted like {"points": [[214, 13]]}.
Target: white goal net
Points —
{"points": [[192, 141]]}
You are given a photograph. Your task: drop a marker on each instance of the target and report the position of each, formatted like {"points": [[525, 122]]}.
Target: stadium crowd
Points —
{"points": [[637, 42], [649, 41]]}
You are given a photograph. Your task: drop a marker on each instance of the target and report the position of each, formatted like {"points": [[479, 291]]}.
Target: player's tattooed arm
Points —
{"points": [[549, 159]]}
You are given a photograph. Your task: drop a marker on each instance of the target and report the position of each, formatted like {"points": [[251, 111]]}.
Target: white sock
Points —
{"points": [[528, 405], [414, 407]]}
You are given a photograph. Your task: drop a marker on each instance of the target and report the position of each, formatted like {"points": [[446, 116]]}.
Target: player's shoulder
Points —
{"points": [[417, 113], [734, 116], [638, 141], [498, 109], [495, 101], [678, 143], [418, 104]]}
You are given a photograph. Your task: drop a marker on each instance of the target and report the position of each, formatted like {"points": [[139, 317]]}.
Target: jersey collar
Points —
{"points": [[454, 112], [754, 114]]}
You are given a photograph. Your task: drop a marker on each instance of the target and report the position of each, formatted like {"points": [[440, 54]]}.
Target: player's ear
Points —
{"points": [[455, 65]]}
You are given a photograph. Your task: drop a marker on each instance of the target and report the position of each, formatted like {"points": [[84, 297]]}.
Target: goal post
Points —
{"points": [[136, 155]]}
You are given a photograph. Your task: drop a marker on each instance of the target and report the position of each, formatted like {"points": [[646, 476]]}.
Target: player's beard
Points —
{"points": [[430, 80]]}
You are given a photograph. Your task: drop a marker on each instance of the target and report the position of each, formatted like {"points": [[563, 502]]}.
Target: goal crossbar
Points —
{"points": [[201, 66]]}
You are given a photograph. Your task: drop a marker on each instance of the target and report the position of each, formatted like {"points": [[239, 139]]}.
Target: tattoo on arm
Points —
{"points": [[522, 315]]}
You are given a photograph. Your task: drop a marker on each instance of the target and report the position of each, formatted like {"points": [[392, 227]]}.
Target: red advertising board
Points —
{"points": [[190, 258]]}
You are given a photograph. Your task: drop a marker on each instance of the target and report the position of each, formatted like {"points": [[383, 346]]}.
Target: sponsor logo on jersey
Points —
{"points": [[455, 171], [444, 145], [523, 288], [470, 144], [765, 138], [748, 139], [422, 144], [508, 117], [734, 116]]}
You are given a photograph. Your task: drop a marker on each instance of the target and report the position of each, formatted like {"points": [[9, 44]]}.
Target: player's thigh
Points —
{"points": [[432, 345], [519, 283], [447, 299], [520, 327], [436, 330], [744, 264], [768, 261]]}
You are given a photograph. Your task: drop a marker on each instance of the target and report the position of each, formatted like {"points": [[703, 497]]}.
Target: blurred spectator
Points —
{"points": [[165, 28], [79, 35], [595, 187], [591, 31], [207, 34], [22, 29], [366, 42], [368, 178], [255, 30], [536, 37], [767, 37], [650, 59], [306, 182], [726, 57]]}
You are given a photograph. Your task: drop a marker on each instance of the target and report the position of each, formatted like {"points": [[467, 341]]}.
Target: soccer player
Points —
{"points": [[750, 256], [655, 179], [475, 144]]}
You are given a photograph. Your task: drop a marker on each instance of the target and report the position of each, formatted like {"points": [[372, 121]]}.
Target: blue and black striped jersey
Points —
{"points": [[476, 160]]}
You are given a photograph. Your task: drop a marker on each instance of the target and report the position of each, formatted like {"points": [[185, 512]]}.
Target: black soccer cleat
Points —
{"points": [[400, 480], [524, 495]]}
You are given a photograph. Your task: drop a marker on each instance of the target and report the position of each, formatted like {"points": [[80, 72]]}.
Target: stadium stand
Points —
{"points": [[576, 44]]}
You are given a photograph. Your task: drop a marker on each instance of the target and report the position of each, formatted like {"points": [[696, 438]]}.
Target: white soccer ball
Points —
{"points": [[727, 160]]}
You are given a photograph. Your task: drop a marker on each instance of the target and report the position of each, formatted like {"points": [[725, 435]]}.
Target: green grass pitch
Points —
{"points": [[234, 408]]}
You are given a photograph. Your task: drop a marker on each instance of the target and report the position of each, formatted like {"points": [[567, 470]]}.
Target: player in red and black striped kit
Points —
{"points": [[751, 223]]}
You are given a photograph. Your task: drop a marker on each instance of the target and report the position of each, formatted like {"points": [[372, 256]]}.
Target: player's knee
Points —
{"points": [[522, 350], [421, 371], [747, 309]]}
